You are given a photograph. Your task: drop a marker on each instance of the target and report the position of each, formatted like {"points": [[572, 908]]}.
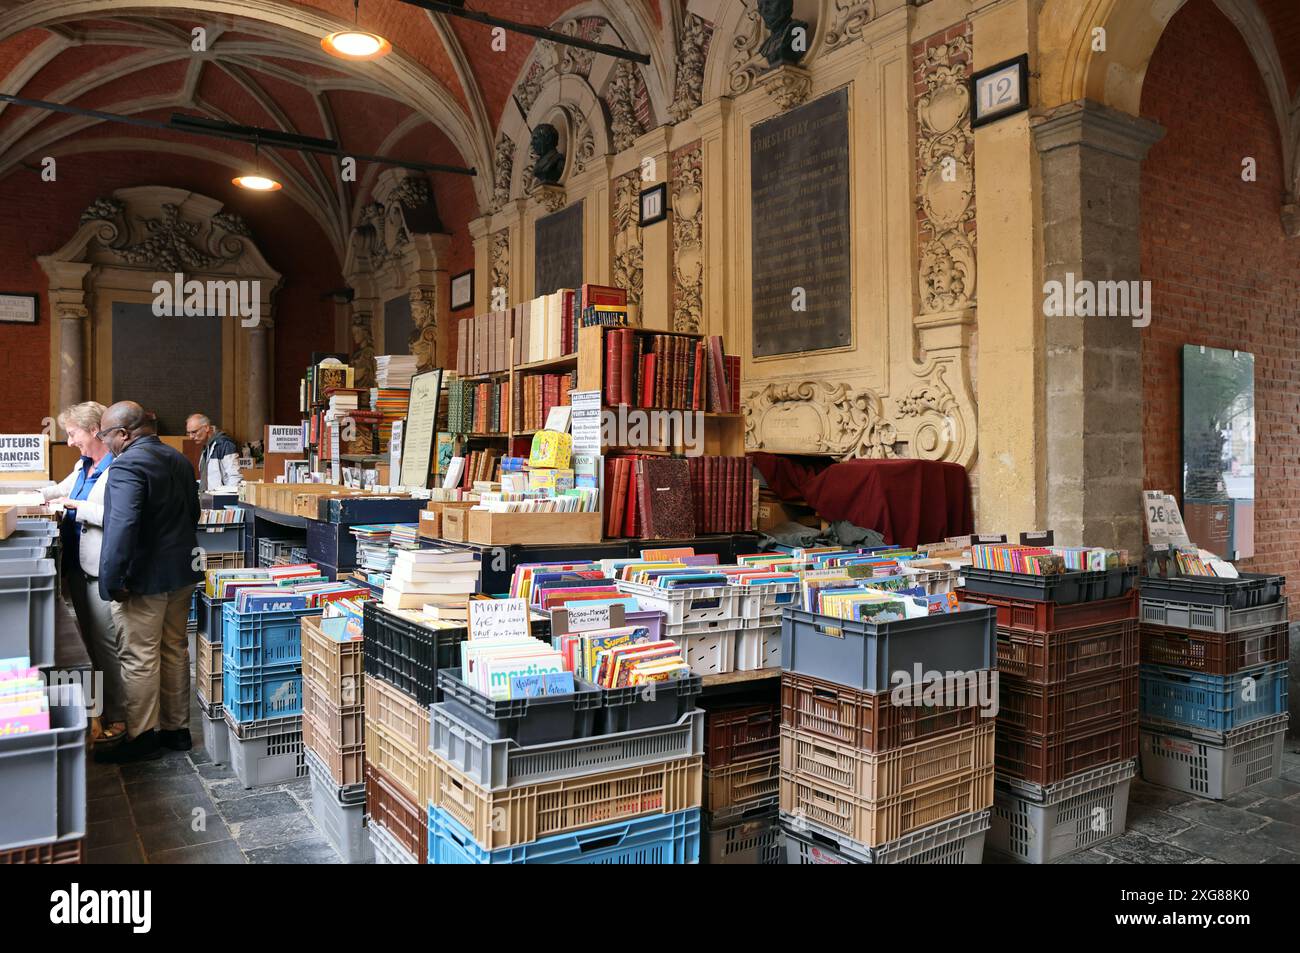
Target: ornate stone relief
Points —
{"points": [[583, 147], [552, 197], [745, 64], [850, 17], [362, 358], [946, 180], [499, 263], [621, 98], [424, 336], [628, 255], [167, 242], [502, 170], [687, 203], [692, 51], [788, 85], [386, 226]]}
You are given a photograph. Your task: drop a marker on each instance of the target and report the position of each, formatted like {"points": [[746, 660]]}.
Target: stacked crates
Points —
{"points": [[1214, 682], [705, 621], [742, 770], [595, 776], [261, 656], [875, 772], [1067, 715], [758, 635], [209, 673], [333, 734]]}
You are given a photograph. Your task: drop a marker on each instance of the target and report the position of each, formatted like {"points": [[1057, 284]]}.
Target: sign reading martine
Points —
{"points": [[22, 453]]}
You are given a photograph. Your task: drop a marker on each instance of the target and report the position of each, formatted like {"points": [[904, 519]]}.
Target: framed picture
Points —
{"points": [[999, 91], [462, 290], [654, 204], [19, 308]]}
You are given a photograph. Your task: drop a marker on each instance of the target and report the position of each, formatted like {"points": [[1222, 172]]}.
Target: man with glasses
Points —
{"points": [[219, 462], [146, 567]]}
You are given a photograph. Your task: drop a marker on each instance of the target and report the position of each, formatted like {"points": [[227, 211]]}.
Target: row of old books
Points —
{"points": [[536, 394], [646, 369], [395, 370], [658, 497], [483, 343], [478, 406]]}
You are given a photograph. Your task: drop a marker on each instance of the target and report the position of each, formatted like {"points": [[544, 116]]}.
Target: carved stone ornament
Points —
{"points": [[850, 17], [551, 197], [819, 417], [502, 169], [692, 51], [788, 85], [168, 242], [629, 260], [386, 226], [362, 358], [624, 124], [688, 238], [423, 307], [938, 426], [1291, 217], [583, 148], [499, 262], [745, 64]]}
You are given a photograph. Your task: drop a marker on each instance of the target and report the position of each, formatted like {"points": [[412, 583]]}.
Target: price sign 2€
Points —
{"points": [[1164, 520]]}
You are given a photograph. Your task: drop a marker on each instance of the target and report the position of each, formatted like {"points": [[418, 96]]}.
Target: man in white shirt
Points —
{"points": [[219, 463]]}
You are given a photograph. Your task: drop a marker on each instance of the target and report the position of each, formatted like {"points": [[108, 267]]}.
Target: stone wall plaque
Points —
{"points": [[558, 262], [799, 207], [169, 365]]}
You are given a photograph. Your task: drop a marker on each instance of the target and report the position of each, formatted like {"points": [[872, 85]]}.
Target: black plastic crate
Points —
{"points": [[407, 655], [209, 624], [648, 706], [1245, 592], [1061, 588], [528, 721]]}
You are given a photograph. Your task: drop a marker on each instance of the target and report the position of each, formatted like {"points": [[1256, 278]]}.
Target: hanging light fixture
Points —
{"points": [[255, 181], [356, 44]]}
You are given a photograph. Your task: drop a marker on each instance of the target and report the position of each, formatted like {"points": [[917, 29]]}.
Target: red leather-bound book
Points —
{"points": [[613, 366], [617, 500], [747, 518], [625, 355], [629, 515], [638, 365], [647, 379], [733, 375]]}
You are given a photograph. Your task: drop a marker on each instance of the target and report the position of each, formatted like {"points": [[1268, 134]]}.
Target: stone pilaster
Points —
{"points": [[259, 380], [72, 354]]}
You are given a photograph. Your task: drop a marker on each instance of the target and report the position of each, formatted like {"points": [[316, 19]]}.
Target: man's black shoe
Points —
{"points": [[143, 747], [178, 739]]}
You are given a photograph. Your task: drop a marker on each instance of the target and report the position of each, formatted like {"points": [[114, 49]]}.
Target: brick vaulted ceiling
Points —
{"points": [[438, 97]]}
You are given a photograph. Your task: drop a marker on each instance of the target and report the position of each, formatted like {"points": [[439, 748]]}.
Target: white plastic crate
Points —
{"points": [[759, 601], [385, 846], [758, 647], [1248, 755], [709, 653], [704, 604], [1078, 813], [958, 840]]}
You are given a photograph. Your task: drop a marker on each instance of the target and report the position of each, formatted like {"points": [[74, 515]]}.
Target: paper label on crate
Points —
{"points": [[987, 538], [1164, 520], [585, 618], [498, 618], [1038, 537]]}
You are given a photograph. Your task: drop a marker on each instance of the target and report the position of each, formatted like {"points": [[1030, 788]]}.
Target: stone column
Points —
{"points": [[259, 381], [72, 355], [1091, 158], [719, 312]]}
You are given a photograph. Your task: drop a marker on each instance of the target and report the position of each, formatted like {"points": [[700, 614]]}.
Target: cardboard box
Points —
{"points": [[772, 514], [430, 524], [504, 529], [454, 525]]}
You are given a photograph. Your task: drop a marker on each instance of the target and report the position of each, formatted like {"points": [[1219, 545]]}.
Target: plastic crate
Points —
{"points": [[403, 819], [687, 605], [399, 715], [342, 824], [883, 775], [647, 706], [216, 737], [531, 812], [1072, 816], [753, 838], [43, 775], [1248, 755], [866, 655], [1049, 657], [758, 647], [51, 852], [709, 653], [1049, 759], [262, 638], [740, 732], [208, 671], [1176, 698], [959, 840], [353, 792], [345, 763], [408, 655], [1065, 707], [221, 561], [529, 721], [1033, 615], [934, 581], [1250, 589], [342, 727], [255, 694], [335, 669], [210, 617], [874, 823], [660, 839], [502, 763], [761, 601], [406, 768], [24, 553], [385, 846], [267, 753], [1188, 615], [269, 550], [742, 786], [1061, 588], [27, 588], [1214, 653]]}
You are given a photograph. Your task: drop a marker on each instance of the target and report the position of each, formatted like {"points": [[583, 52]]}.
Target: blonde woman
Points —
{"points": [[82, 531]]}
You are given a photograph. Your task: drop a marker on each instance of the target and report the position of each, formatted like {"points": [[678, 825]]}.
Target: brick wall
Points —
{"points": [[1224, 275]]}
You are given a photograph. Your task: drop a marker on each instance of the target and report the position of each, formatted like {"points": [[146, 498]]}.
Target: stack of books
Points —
{"points": [[391, 404], [439, 580], [24, 706], [375, 552], [395, 370]]}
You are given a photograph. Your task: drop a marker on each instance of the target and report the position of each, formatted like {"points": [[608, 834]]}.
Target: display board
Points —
{"points": [[558, 263], [420, 429], [169, 365]]}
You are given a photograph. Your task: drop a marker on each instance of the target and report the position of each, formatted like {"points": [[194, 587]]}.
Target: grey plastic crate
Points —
{"points": [[503, 763], [348, 794], [958, 840], [342, 824], [27, 588], [749, 841], [24, 550], [216, 737], [267, 753], [865, 655], [1248, 755], [385, 846], [1202, 618], [43, 776], [1080, 812]]}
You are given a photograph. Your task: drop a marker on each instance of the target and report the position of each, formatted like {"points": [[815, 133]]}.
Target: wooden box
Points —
{"points": [[8, 521], [430, 524], [454, 525], [504, 529]]}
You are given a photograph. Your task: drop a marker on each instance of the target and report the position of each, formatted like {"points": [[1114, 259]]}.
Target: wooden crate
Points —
{"points": [[8, 521], [499, 529]]}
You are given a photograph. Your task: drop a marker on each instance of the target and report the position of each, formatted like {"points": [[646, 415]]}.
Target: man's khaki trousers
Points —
{"points": [[155, 653]]}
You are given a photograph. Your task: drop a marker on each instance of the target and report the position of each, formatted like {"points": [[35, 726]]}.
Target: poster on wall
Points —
{"points": [[420, 429]]}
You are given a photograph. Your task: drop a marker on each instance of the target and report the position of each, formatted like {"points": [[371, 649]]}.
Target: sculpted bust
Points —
{"points": [[550, 161], [783, 31]]}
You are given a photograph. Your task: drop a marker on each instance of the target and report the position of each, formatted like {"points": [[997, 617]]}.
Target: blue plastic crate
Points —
{"points": [[194, 607], [260, 692], [1179, 697], [262, 638], [660, 839]]}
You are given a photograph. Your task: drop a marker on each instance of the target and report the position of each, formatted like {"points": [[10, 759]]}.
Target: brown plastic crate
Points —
{"points": [[1047, 759], [66, 852], [1047, 657], [1033, 615], [400, 715], [388, 806], [864, 720], [335, 668], [740, 732], [521, 815], [409, 769], [207, 670], [345, 727], [346, 765], [1214, 653], [742, 784], [873, 823], [222, 560], [1066, 707], [874, 777]]}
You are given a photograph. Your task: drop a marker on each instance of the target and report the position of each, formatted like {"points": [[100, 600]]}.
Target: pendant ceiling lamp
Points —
{"points": [[255, 181], [356, 44]]}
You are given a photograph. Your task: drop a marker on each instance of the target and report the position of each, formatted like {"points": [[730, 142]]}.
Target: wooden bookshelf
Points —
{"points": [[566, 360]]}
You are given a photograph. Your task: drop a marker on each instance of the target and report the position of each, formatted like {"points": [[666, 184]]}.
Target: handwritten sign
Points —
{"points": [[580, 617], [498, 618], [284, 439]]}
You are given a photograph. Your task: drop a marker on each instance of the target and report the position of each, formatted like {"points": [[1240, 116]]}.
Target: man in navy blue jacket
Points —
{"points": [[146, 567]]}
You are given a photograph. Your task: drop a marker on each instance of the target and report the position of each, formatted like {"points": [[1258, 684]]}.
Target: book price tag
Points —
{"points": [[498, 618], [585, 618], [1164, 520]]}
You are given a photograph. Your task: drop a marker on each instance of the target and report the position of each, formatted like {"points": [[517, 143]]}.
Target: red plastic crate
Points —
{"points": [[66, 852], [1047, 657], [1214, 653], [738, 733], [1065, 707], [1047, 759], [1032, 615], [388, 805]]}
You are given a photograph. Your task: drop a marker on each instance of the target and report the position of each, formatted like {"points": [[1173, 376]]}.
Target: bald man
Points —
{"points": [[146, 567]]}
